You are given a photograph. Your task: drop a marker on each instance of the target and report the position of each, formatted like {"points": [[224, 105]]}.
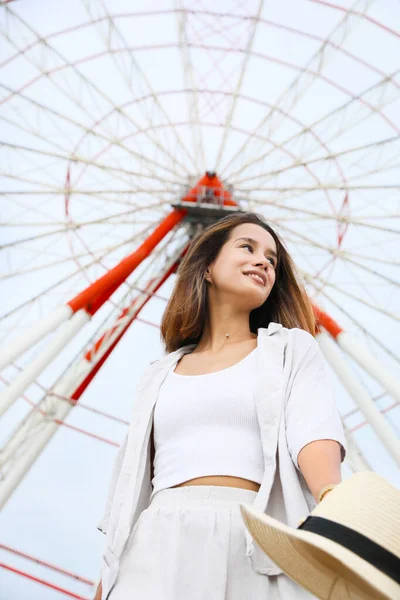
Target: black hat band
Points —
{"points": [[373, 553]]}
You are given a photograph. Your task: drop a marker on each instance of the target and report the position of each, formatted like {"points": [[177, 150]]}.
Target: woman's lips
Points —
{"points": [[255, 279]]}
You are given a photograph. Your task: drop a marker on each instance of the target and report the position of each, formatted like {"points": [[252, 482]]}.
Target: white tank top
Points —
{"points": [[207, 425]]}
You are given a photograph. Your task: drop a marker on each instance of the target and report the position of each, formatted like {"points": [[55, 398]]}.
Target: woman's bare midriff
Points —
{"points": [[225, 480]]}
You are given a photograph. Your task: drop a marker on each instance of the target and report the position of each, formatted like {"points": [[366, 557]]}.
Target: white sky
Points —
{"points": [[151, 77]]}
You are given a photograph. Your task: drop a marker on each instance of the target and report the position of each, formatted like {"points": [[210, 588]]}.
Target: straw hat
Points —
{"points": [[348, 548]]}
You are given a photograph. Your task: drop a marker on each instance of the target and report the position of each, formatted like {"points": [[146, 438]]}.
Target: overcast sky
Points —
{"points": [[54, 512]]}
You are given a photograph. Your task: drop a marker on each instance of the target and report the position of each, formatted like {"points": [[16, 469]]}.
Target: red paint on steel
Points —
{"points": [[211, 185], [46, 564], [43, 582], [98, 293], [342, 227], [91, 353], [93, 297], [359, 14], [327, 322]]}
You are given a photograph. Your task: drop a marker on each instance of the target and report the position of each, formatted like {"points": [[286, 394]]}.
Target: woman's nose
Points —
{"points": [[263, 262]]}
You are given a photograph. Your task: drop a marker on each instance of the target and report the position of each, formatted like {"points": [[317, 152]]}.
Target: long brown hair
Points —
{"points": [[186, 311]]}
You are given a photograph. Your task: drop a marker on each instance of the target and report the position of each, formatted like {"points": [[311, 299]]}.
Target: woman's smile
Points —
{"points": [[256, 279]]}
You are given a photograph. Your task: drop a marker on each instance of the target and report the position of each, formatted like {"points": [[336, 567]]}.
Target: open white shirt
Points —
{"points": [[295, 403]]}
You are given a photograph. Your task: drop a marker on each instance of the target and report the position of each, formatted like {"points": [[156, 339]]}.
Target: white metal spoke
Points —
{"points": [[338, 113], [239, 84], [115, 32], [110, 112], [193, 102], [90, 86], [304, 79]]}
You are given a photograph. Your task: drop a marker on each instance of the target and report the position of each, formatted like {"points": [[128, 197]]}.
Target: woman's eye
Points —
{"points": [[271, 259]]}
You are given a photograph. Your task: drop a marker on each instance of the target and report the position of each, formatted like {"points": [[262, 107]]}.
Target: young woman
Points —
{"points": [[241, 409]]}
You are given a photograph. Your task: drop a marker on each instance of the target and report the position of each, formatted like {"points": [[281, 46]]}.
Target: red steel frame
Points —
{"points": [[93, 297]]}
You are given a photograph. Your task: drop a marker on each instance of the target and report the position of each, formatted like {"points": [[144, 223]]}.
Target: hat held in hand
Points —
{"points": [[348, 548]]}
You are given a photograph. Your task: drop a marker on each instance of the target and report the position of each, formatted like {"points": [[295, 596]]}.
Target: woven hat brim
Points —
{"points": [[321, 566]]}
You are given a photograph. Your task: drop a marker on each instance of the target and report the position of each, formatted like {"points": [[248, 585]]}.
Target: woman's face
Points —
{"points": [[237, 257]]}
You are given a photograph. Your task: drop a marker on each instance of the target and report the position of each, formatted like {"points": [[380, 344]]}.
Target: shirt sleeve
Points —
{"points": [[311, 412]]}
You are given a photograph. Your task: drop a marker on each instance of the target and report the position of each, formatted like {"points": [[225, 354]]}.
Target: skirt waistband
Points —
{"points": [[203, 495]]}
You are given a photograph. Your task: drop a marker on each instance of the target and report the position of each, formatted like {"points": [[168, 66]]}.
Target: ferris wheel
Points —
{"points": [[127, 128]]}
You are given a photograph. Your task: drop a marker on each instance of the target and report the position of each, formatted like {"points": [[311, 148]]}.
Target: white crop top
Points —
{"points": [[207, 425]]}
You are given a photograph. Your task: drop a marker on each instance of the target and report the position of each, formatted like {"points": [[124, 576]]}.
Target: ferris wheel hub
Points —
{"points": [[208, 201]]}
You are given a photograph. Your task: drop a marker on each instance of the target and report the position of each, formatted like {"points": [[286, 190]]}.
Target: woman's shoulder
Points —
{"points": [[294, 335], [300, 343], [301, 336]]}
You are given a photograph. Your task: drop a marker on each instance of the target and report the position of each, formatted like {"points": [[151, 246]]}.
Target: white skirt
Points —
{"points": [[190, 543]]}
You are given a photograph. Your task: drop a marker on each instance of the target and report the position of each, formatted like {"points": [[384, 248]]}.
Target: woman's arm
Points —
{"points": [[314, 431], [319, 462], [98, 592]]}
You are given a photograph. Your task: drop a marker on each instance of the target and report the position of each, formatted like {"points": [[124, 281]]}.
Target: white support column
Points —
{"points": [[355, 459], [365, 359], [56, 345], [27, 443], [33, 335], [36, 430], [361, 397]]}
